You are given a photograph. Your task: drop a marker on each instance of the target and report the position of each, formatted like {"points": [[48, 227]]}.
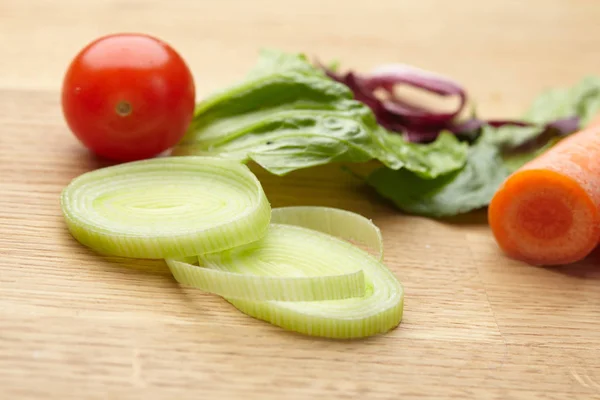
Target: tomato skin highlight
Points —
{"points": [[128, 96]]}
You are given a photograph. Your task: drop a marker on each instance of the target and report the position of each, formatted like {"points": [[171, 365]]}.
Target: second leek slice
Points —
{"points": [[243, 276], [333, 221], [270, 272], [296, 251]]}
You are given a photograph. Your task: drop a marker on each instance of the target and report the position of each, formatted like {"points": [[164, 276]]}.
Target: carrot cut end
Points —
{"points": [[543, 217]]}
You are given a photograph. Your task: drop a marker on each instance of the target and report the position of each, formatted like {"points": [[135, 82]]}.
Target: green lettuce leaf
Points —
{"points": [[514, 161], [287, 115], [470, 188], [490, 160], [511, 136], [582, 100]]}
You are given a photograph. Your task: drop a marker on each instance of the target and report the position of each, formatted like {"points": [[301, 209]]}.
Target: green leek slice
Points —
{"points": [[333, 221], [241, 276], [301, 242], [168, 207], [378, 311]]}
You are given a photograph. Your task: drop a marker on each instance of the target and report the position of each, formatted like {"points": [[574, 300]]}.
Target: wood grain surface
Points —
{"points": [[476, 325]]}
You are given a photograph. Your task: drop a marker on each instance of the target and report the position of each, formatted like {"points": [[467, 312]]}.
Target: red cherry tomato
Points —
{"points": [[128, 96]]}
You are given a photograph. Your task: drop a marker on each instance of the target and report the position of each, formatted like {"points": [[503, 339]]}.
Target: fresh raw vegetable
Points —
{"points": [[333, 221], [231, 282], [581, 101], [416, 122], [421, 124], [128, 96], [378, 311], [240, 276], [166, 207], [468, 189], [496, 153], [306, 253], [287, 115], [211, 221], [548, 212]]}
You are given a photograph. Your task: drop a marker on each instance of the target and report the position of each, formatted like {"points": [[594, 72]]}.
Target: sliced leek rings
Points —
{"points": [[293, 267]]}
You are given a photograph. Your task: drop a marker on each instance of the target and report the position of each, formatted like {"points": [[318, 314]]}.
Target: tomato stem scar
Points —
{"points": [[123, 108]]}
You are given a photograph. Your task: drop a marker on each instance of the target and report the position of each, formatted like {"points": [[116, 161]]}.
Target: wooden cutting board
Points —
{"points": [[476, 325]]}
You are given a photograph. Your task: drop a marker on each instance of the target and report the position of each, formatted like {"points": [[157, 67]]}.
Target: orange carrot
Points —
{"points": [[548, 212]]}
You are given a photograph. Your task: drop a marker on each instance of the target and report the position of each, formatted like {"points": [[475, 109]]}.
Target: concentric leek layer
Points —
{"points": [[295, 251], [243, 276], [166, 207], [333, 221]]}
